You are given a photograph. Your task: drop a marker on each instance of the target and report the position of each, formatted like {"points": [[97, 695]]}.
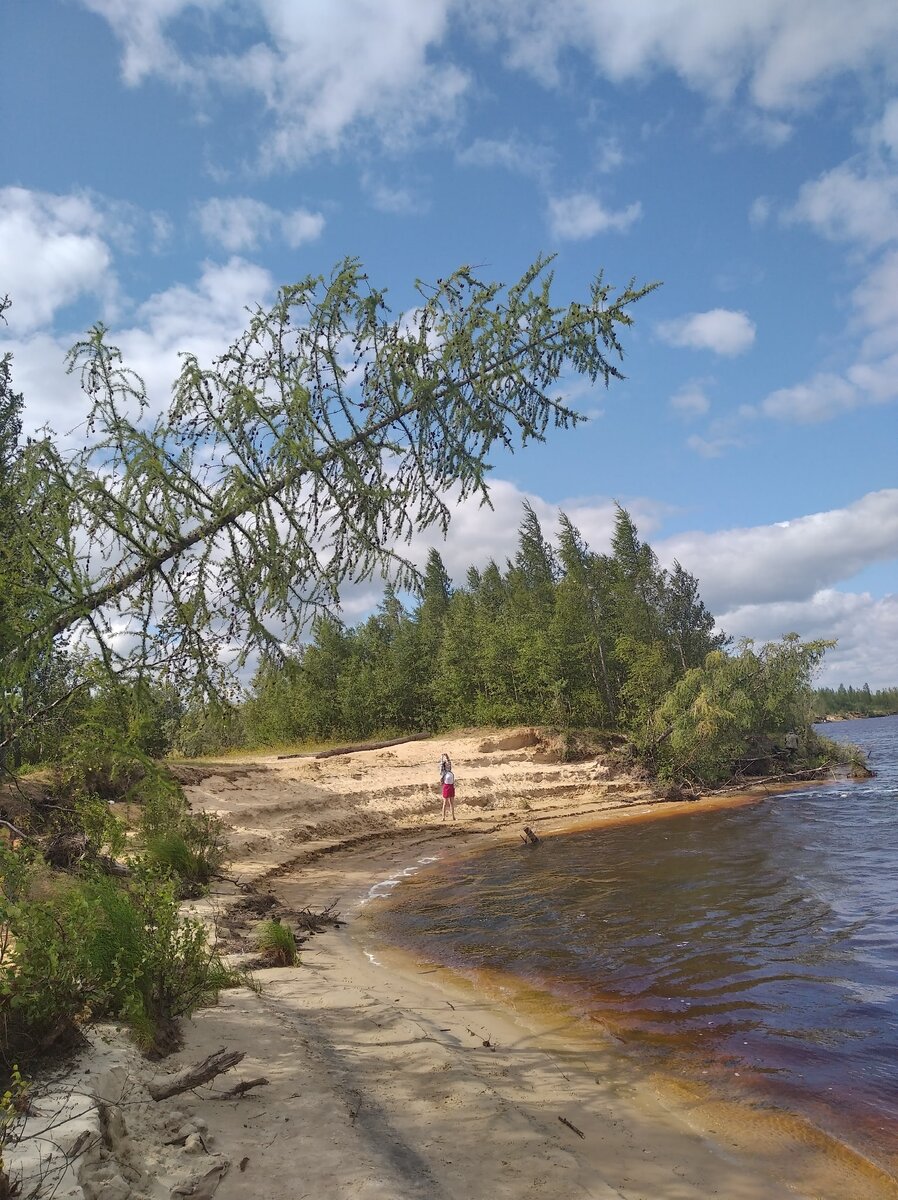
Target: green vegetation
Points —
{"points": [[74, 948], [854, 702], [276, 943], [564, 637]]}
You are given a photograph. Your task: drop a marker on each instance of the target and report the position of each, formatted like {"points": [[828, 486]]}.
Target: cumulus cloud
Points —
{"points": [[759, 213], [856, 203], [819, 399], [326, 72], [53, 250], [864, 627], [202, 319], [846, 204], [393, 198], [478, 534], [781, 51], [582, 216], [520, 155], [720, 329], [322, 71], [791, 560], [240, 223]]}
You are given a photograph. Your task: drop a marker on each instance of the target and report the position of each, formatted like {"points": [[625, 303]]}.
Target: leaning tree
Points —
{"points": [[302, 458]]}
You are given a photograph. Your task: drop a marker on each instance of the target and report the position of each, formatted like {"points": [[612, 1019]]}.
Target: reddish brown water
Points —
{"points": [[755, 947]]}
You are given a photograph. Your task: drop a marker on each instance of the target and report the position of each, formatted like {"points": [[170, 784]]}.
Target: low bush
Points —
{"points": [[72, 949]]}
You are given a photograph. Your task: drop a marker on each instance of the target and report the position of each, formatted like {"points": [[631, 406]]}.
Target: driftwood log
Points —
{"points": [[413, 737], [201, 1072], [529, 838]]}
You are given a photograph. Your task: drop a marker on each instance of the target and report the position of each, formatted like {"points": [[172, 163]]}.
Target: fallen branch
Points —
{"points": [[529, 838], [242, 1088], [565, 1121], [191, 1077], [12, 829]]}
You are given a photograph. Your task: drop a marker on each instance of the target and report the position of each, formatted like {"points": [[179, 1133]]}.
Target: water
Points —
{"points": [[755, 947]]}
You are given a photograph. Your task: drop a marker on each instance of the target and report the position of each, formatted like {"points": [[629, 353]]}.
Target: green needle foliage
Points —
{"points": [[303, 457]]}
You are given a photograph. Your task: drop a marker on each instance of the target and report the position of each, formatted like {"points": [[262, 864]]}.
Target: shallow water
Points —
{"points": [[754, 947]]}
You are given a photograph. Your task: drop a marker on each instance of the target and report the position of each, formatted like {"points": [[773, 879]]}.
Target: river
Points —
{"points": [[754, 947]]}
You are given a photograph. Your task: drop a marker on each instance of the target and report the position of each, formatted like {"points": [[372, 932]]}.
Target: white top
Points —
{"points": [[449, 778]]}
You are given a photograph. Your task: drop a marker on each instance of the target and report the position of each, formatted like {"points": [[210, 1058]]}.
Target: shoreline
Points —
{"points": [[673, 1117], [392, 1079]]}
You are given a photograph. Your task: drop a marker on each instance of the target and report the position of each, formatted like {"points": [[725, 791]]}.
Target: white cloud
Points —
{"points": [[759, 213], [791, 560], [38, 371], [720, 329], [609, 155], [782, 51], [202, 320], [885, 131], [714, 446], [864, 627], [240, 223], [53, 250], [760, 582], [478, 534], [324, 71], [846, 205], [583, 216], [690, 400], [819, 399], [393, 198]]}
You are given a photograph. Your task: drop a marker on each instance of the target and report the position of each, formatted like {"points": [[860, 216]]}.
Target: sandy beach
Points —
{"points": [[388, 1078]]}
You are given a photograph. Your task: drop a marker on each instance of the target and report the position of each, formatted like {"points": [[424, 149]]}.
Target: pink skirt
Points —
{"points": [[448, 791]]}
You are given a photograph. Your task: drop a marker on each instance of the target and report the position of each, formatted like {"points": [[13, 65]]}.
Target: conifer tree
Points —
{"points": [[297, 461]]}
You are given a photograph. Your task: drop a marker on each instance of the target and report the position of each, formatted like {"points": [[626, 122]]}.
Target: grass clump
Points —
{"points": [[276, 943], [190, 847]]}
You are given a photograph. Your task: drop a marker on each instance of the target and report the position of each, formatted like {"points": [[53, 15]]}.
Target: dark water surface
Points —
{"points": [[755, 947]]}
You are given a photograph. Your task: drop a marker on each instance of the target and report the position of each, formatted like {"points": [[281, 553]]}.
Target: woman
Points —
{"points": [[448, 778]]}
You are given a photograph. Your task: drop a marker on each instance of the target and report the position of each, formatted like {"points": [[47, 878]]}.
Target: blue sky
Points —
{"points": [[165, 164]]}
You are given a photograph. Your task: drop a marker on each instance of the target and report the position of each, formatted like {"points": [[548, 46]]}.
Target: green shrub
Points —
{"points": [[276, 943], [95, 946]]}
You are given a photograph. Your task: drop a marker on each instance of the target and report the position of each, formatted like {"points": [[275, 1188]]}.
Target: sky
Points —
{"points": [[165, 165]]}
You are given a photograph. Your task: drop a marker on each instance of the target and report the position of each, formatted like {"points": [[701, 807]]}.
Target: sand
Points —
{"points": [[389, 1079]]}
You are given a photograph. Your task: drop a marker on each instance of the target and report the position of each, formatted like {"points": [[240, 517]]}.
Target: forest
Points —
{"points": [[855, 702], [560, 636]]}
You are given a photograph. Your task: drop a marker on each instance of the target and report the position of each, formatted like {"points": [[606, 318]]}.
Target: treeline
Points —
{"points": [[857, 702], [560, 636]]}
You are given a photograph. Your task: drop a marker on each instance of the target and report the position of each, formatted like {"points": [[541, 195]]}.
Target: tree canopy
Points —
{"points": [[301, 458]]}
